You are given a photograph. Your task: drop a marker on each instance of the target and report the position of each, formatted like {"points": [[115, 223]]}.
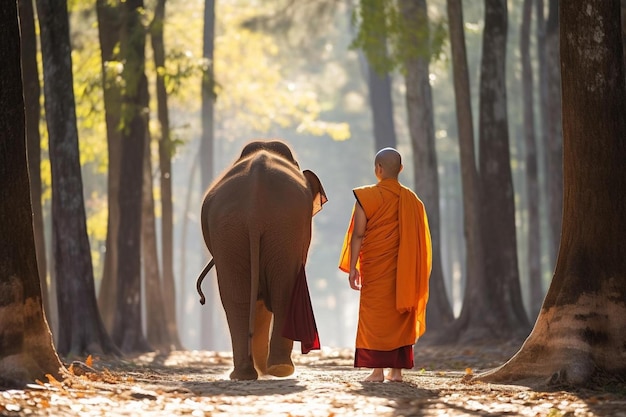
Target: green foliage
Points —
{"points": [[387, 38]]}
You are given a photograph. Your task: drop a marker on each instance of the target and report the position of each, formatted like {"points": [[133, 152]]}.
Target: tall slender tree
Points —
{"points": [[375, 65], [127, 323], [166, 149], [475, 312], [109, 26], [206, 154], [81, 330], [497, 195], [32, 95], [26, 349], [157, 331], [553, 127], [579, 336], [419, 102], [533, 241]]}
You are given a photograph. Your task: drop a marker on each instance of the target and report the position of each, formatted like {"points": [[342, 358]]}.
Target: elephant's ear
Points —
{"points": [[315, 185]]}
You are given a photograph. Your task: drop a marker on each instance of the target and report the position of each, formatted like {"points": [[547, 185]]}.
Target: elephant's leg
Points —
{"points": [[261, 337], [235, 294], [279, 361]]}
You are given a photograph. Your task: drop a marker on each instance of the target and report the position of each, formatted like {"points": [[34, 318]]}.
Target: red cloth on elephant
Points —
{"points": [[300, 322]]}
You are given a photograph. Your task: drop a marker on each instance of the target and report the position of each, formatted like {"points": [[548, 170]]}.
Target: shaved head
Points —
{"points": [[390, 161]]}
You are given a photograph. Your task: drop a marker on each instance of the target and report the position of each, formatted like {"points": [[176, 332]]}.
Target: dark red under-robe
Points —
{"points": [[300, 322]]}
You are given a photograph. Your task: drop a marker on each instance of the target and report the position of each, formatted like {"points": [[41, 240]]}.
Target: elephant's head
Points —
{"points": [[282, 149], [274, 146]]}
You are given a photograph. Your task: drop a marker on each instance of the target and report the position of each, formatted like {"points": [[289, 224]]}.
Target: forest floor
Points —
{"points": [[195, 383]]}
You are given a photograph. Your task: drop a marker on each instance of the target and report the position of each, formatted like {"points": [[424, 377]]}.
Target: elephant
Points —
{"points": [[256, 222]]}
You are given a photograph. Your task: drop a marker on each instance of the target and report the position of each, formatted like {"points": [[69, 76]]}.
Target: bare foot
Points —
{"points": [[377, 375], [394, 375]]}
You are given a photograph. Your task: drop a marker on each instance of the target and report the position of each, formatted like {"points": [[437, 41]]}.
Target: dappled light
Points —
{"points": [[142, 141]]}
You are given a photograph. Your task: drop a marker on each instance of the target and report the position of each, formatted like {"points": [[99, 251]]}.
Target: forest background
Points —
{"points": [[307, 84]]}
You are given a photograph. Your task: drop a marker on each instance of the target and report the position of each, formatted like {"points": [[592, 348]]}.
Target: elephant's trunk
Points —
{"points": [[205, 271]]}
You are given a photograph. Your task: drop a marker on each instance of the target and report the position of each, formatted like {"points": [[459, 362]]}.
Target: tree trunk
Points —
{"points": [[422, 131], [32, 94], [27, 352], [373, 61], [382, 109], [166, 149], [502, 291], [474, 311], [578, 338], [109, 24], [542, 140], [207, 152], [156, 324], [554, 128], [127, 326], [532, 174], [80, 327]]}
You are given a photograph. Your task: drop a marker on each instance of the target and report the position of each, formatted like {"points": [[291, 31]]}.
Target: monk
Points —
{"points": [[387, 254]]}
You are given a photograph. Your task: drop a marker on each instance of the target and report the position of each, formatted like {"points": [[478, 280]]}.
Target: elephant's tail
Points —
{"points": [[255, 256], [205, 271]]}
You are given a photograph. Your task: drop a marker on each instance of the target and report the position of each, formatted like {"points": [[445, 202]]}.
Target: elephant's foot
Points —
{"points": [[244, 374], [280, 370]]}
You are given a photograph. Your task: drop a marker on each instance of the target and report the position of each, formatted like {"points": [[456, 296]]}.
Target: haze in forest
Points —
{"points": [[308, 86]]}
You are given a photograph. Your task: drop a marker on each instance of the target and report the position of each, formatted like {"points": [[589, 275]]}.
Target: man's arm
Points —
{"points": [[360, 221]]}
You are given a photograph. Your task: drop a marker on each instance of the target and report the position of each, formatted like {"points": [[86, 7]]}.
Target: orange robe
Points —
{"points": [[395, 263]]}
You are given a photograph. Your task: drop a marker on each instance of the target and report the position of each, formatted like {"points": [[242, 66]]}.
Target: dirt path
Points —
{"points": [[325, 384]]}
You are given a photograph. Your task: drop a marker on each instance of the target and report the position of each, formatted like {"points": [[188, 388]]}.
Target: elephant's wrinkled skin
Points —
{"points": [[256, 222]]}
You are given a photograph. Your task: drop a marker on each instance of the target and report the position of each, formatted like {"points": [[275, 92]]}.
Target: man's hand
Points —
{"points": [[355, 279]]}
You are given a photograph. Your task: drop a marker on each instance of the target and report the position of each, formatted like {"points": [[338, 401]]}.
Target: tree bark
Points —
{"points": [[578, 338], [127, 326], [502, 291], [32, 94], [81, 330], [109, 26], [207, 150], [531, 164], [422, 131], [26, 349], [166, 149]]}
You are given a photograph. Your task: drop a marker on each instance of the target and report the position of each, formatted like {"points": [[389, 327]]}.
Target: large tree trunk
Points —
{"points": [[579, 336], [109, 25], [127, 326], [80, 328], [554, 128], [474, 310], [502, 291], [32, 94], [30, 354], [206, 154], [422, 131], [532, 174], [166, 149]]}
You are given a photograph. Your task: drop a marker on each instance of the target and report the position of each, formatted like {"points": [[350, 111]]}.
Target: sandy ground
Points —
{"points": [[195, 383]]}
